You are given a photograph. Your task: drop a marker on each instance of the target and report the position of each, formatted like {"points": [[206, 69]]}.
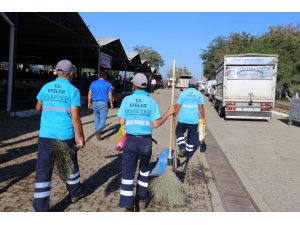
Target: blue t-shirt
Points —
{"points": [[139, 110], [58, 97], [100, 89], [189, 99]]}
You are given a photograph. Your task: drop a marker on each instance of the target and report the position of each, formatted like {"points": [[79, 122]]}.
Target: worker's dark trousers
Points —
{"points": [[44, 167], [192, 136], [136, 148]]}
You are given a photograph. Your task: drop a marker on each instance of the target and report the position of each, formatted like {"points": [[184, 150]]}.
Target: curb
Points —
{"points": [[216, 201]]}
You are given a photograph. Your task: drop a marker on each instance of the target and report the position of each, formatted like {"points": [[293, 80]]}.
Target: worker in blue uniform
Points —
{"points": [[59, 103], [140, 113], [189, 110], [99, 93]]}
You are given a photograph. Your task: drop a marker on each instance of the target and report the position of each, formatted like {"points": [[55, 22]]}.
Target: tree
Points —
{"points": [[281, 40], [179, 71], [150, 55]]}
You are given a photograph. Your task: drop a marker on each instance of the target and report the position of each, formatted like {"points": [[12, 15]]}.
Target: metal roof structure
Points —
{"points": [[46, 38], [134, 57], [114, 48]]}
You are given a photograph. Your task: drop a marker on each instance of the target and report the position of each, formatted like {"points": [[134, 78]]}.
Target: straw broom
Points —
{"points": [[168, 189], [62, 157]]}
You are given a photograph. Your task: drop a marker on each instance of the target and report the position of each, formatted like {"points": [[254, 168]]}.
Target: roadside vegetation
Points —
{"points": [[281, 40]]}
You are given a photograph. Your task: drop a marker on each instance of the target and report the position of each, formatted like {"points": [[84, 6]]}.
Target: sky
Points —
{"points": [[178, 35]]}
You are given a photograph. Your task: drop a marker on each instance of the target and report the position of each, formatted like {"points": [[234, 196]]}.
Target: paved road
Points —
{"points": [[265, 156], [100, 168]]}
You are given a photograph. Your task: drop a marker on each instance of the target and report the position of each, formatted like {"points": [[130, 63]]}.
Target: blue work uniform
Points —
{"points": [[139, 111], [188, 118], [57, 98], [100, 90]]}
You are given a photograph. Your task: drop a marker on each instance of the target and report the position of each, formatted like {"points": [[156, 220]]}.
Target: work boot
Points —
{"points": [[181, 153], [129, 209], [144, 203], [80, 196], [134, 208]]}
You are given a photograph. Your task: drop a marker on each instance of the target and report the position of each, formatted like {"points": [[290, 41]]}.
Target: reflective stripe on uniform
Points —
{"points": [[189, 146], [127, 182], [74, 175], [190, 106], [42, 184], [143, 184], [73, 181], [182, 142], [145, 174], [180, 138], [126, 193], [138, 122], [41, 194], [188, 149], [56, 109]]}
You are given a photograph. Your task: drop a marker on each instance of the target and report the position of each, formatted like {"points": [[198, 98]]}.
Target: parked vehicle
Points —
{"points": [[201, 86], [245, 86], [184, 81], [212, 92], [209, 86]]}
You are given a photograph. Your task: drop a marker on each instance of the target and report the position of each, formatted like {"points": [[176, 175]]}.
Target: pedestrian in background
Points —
{"points": [[100, 93], [59, 103], [140, 113], [189, 109], [153, 85]]}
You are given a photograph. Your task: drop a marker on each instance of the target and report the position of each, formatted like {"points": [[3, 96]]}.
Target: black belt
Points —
{"points": [[98, 101], [141, 136]]}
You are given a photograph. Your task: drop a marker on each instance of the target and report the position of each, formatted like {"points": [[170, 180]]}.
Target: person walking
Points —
{"points": [[59, 103], [153, 85], [189, 109], [140, 113], [100, 93]]}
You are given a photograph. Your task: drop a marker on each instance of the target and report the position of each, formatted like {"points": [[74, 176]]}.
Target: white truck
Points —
{"points": [[184, 81], [245, 86]]}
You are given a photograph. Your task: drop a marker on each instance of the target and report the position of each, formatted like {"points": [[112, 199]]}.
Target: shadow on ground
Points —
{"points": [[96, 180]]}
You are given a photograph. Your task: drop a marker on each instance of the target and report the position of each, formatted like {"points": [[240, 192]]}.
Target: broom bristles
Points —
{"points": [[62, 156], [168, 189]]}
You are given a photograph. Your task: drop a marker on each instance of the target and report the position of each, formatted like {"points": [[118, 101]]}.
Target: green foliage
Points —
{"points": [[281, 40], [150, 55]]}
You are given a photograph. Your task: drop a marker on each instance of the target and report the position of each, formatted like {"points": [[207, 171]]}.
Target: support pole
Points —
{"points": [[10, 61], [124, 80], [99, 60]]}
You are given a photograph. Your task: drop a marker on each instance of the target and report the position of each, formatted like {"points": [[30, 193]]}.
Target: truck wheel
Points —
{"points": [[220, 111], [290, 122]]}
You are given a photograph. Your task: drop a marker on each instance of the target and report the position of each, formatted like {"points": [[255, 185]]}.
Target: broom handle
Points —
{"points": [[172, 102], [175, 149]]}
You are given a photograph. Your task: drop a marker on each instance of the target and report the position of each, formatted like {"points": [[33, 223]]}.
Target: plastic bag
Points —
{"points": [[202, 131], [120, 134], [121, 143], [202, 135]]}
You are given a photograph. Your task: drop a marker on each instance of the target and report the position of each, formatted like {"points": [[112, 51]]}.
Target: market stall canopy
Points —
{"points": [[134, 57], [136, 64], [114, 48], [153, 70], [45, 38]]}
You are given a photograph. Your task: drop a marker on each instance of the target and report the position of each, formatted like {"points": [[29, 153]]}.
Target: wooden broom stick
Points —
{"points": [[172, 102]]}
